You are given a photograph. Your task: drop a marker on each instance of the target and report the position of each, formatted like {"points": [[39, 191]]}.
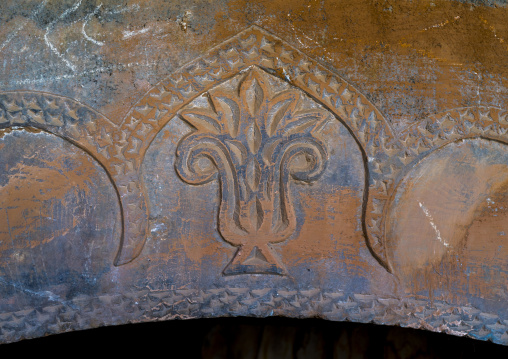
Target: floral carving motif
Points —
{"points": [[255, 141]]}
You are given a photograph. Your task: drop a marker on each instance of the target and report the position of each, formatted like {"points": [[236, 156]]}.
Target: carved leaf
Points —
{"points": [[238, 150], [202, 120], [252, 93], [230, 112], [253, 137], [253, 174], [281, 106], [268, 149], [305, 121]]}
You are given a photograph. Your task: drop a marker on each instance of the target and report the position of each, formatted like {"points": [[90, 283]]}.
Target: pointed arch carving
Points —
{"points": [[256, 47]]}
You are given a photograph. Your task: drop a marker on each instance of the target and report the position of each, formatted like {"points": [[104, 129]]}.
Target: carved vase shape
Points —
{"points": [[255, 138]]}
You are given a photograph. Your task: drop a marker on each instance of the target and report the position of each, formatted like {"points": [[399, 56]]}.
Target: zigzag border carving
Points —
{"points": [[147, 306]]}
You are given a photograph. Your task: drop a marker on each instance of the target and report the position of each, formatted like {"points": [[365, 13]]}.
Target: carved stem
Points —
{"points": [[315, 156], [196, 147]]}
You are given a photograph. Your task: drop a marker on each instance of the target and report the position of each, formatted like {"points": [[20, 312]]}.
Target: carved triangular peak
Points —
{"points": [[256, 258]]}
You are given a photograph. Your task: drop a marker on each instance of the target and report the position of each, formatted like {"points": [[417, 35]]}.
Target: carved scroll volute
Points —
{"points": [[254, 142]]}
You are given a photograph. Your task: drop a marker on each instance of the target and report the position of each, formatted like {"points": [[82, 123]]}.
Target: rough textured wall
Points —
{"points": [[411, 59]]}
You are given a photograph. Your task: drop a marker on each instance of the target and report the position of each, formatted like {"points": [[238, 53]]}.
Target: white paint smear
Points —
{"points": [[431, 220], [83, 31], [129, 34], [50, 28]]}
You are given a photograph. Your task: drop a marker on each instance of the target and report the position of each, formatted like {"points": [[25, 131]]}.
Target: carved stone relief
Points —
{"points": [[258, 141], [251, 48], [251, 180]]}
